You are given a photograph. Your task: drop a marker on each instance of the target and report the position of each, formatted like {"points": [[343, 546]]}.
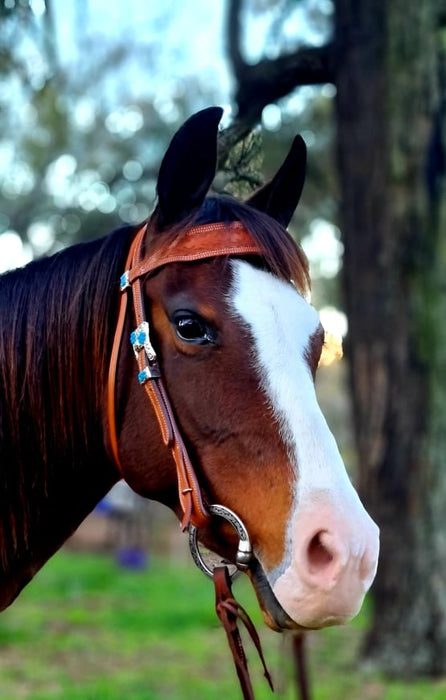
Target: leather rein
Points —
{"points": [[196, 243]]}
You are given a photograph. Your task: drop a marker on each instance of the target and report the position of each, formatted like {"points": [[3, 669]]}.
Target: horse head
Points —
{"points": [[238, 345]]}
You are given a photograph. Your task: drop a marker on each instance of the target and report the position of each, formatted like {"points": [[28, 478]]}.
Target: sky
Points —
{"points": [[187, 35]]}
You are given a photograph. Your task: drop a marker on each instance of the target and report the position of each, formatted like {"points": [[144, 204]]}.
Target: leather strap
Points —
{"points": [[197, 243], [229, 612], [113, 367]]}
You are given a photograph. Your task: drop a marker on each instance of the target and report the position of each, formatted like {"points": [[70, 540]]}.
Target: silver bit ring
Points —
{"points": [[244, 550]]}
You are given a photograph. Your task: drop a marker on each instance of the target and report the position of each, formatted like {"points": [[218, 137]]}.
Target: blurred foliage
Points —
{"points": [[77, 159], [80, 157]]}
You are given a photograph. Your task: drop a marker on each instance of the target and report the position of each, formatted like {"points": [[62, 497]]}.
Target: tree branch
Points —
{"points": [[233, 134], [234, 34], [269, 80]]}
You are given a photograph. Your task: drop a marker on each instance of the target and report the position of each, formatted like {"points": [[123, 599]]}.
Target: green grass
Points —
{"points": [[87, 630]]}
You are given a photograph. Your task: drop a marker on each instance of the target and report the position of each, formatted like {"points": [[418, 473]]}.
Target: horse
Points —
{"points": [[220, 407]]}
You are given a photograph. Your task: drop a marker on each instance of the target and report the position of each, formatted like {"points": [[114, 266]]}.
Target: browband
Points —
{"points": [[196, 243]]}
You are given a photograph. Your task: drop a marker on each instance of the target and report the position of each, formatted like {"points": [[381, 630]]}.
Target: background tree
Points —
{"points": [[387, 62], [392, 211]]}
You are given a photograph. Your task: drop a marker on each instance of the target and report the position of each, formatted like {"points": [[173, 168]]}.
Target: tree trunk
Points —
{"points": [[388, 115]]}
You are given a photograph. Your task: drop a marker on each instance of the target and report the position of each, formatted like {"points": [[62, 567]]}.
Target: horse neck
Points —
{"points": [[54, 345]]}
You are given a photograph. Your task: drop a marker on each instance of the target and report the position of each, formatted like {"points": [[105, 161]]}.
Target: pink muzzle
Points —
{"points": [[333, 561]]}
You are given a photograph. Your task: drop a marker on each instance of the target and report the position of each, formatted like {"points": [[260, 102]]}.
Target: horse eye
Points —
{"points": [[191, 328]]}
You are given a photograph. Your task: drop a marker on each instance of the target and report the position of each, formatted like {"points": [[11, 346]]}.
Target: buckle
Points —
{"points": [[140, 340]]}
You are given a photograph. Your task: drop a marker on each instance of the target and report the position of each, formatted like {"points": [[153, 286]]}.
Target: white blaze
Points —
{"points": [[282, 323]]}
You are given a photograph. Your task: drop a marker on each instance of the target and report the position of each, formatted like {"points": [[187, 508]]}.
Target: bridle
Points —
{"points": [[193, 244], [196, 243]]}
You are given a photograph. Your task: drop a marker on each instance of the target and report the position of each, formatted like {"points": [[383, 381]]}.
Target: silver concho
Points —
{"points": [[244, 551]]}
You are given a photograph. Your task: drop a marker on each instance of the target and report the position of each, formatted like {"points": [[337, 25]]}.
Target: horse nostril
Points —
{"points": [[319, 556]]}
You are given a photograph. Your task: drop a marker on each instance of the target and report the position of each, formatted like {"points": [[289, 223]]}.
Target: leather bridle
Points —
{"points": [[196, 243], [193, 244]]}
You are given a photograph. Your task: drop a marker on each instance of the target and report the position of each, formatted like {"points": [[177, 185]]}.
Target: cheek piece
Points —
{"points": [[197, 243]]}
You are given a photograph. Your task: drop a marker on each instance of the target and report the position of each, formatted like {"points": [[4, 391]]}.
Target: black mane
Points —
{"points": [[55, 338]]}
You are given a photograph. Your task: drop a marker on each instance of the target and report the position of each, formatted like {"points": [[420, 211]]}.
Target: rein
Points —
{"points": [[197, 243]]}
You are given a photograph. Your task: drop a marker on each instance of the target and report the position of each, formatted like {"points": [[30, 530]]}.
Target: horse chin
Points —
{"points": [[273, 614]]}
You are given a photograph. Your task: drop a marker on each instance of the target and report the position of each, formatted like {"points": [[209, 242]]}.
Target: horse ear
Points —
{"points": [[188, 167], [279, 197]]}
